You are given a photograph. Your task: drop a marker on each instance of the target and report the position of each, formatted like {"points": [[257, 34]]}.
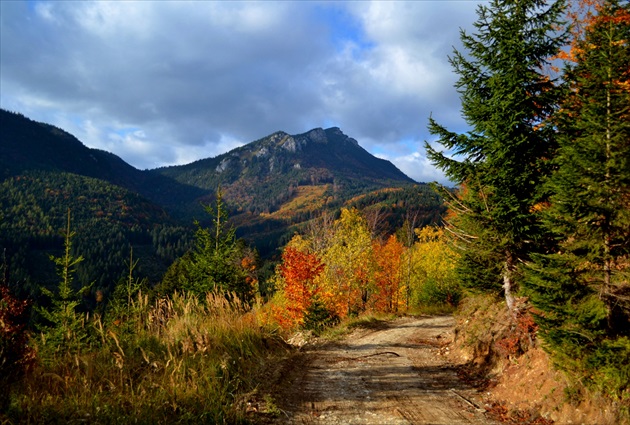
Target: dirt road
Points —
{"points": [[393, 373]]}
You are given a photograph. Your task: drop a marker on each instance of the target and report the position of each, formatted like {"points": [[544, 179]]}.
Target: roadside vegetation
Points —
{"points": [[191, 349]]}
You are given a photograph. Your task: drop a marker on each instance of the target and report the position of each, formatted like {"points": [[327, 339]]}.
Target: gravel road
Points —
{"points": [[394, 373]]}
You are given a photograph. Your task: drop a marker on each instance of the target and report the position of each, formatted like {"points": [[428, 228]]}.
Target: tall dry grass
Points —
{"points": [[179, 359]]}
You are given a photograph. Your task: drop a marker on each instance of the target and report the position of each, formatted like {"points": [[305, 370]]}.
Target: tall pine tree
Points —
{"points": [[506, 96], [583, 289]]}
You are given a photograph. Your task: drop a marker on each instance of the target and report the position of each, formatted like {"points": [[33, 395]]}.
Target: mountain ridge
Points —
{"points": [[280, 162], [317, 156], [271, 186]]}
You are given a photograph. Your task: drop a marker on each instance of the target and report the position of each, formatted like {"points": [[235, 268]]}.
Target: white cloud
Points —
{"points": [[199, 78], [418, 167]]}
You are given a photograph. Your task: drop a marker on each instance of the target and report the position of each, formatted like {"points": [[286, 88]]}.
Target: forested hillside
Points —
{"points": [[45, 173], [108, 220]]}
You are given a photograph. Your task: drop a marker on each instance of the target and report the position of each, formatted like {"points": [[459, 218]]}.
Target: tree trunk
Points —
{"points": [[508, 283]]}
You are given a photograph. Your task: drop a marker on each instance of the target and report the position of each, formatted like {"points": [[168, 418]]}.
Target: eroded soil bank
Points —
{"points": [[392, 373]]}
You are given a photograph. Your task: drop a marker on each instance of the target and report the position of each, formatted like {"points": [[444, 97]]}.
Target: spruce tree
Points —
{"points": [[499, 163], [214, 263], [65, 331], [583, 288]]}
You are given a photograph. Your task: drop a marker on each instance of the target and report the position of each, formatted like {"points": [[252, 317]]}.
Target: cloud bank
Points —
{"points": [[163, 83]]}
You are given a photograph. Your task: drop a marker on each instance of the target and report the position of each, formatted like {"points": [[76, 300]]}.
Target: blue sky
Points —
{"points": [[162, 83]]}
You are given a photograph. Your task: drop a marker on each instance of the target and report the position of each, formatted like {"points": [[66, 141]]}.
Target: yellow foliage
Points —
{"points": [[433, 263], [348, 262]]}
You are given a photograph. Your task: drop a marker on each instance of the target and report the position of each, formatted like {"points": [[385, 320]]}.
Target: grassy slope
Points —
{"points": [[178, 360]]}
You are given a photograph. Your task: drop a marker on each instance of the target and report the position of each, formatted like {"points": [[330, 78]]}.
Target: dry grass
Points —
{"points": [[179, 360]]}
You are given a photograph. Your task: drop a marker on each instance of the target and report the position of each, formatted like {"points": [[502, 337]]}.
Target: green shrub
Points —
{"points": [[434, 292], [318, 317], [608, 368]]}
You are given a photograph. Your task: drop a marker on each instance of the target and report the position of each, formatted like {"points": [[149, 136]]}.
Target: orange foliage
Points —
{"points": [[299, 270], [248, 264], [582, 16], [387, 278]]}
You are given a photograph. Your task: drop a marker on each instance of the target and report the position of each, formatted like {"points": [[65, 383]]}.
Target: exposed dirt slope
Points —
{"points": [[393, 374]]}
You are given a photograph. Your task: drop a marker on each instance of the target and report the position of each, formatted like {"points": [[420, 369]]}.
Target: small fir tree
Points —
{"points": [[215, 262], [65, 330]]}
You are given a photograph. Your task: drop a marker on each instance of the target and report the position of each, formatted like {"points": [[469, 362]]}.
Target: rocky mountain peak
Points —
{"points": [[336, 133], [317, 135]]}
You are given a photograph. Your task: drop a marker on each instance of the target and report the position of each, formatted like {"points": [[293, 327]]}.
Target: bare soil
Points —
{"points": [[395, 372]]}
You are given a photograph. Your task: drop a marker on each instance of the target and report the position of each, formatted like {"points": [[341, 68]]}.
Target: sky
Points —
{"points": [[166, 83]]}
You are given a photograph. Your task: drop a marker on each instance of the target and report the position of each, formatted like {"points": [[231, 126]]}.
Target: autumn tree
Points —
{"points": [[500, 162], [433, 269], [16, 354], [389, 292], [348, 263], [299, 270]]}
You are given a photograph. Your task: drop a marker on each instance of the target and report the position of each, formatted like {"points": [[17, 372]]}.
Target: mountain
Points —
{"points": [[262, 175], [277, 184], [272, 187]]}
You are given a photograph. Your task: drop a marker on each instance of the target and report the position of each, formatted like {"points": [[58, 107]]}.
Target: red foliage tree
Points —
{"points": [[299, 270], [15, 354]]}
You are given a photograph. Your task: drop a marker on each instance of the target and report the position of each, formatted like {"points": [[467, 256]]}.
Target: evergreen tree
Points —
{"points": [[499, 163], [65, 331], [214, 263], [583, 287]]}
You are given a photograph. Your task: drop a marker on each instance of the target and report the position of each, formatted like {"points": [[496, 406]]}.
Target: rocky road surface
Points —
{"points": [[394, 373]]}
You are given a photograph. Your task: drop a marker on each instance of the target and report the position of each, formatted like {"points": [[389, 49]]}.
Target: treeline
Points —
{"points": [[418, 204], [390, 208], [543, 205]]}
